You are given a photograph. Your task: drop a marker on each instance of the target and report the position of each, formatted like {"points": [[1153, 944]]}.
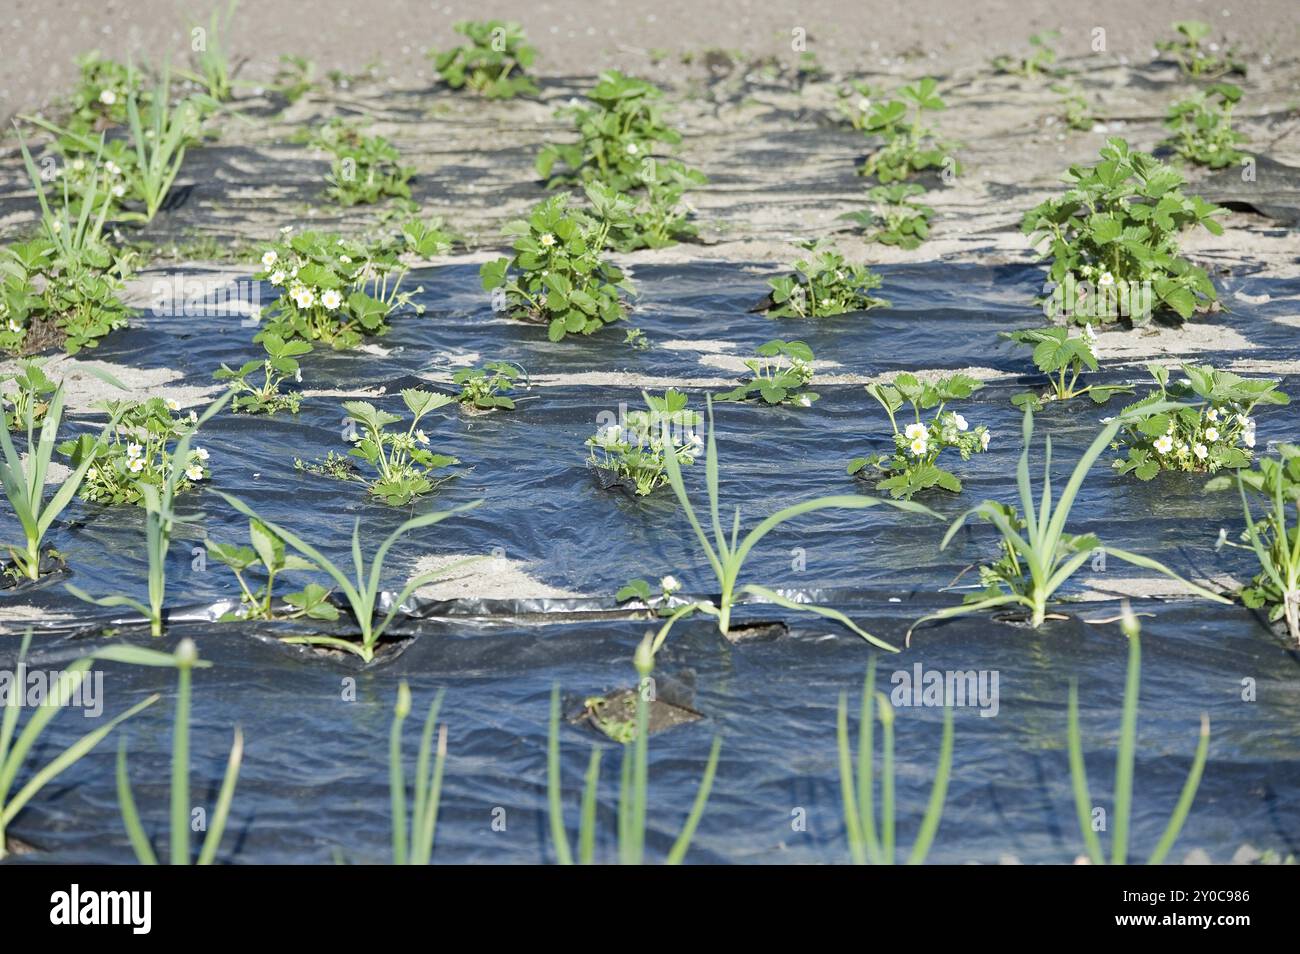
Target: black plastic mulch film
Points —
{"points": [[314, 779]]}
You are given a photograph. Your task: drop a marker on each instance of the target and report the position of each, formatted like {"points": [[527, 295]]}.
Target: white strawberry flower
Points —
{"points": [[201, 453], [668, 584], [119, 190], [960, 422], [915, 432], [1164, 444], [135, 465], [1106, 279], [194, 472], [547, 239], [134, 450], [107, 96], [984, 440], [1201, 451], [421, 437], [270, 258], [919, 446], [1211, 434], [277, 277], [331, 299]]}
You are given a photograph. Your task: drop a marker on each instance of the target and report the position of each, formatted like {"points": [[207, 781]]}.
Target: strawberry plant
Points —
{"points": [[913, 467], [1201, 127], [135, 455], [780, 373], [897, 218], [634, 453], [823, 284], [488, 387], [853, 103], [652, 218], [402, 462], [1113, 240], [492, 63], [29, 397], [557, 275], [364, 169], [1075, 110], [619, 131], [909, 145], [99, 100], [280, 364], [1062, 358], [1040, 59], [77, 307], [266, 555], [332, 289], [1211, 428], [1196, 58]]}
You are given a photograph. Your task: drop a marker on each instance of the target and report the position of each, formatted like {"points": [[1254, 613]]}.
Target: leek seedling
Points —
{"points": [[414, 847], [632, 798], [1275, 537], [1039, 557], [76, 235], [24, 484], [160, 519], [727, 555], [185, 660], [362, 592], [1123, 802], [214, 71], [159, 147], [866, 846], [15, 746]]}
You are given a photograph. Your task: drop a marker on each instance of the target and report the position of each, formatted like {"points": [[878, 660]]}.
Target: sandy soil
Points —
{"points": [[39, 39]]}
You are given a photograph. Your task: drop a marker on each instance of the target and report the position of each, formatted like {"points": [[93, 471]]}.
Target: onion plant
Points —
{"points": [[24, 484], [185, 659], [726, 554], [1121, 810], [1038, 555], [213, 69], [1275, 537], [160, 145], [415, 846], [865, 844], [160, 520], [632, 796], [362, 591], [75, 229], [15, 746]]}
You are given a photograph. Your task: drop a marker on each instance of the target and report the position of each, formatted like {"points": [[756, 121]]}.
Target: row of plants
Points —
{"points": [[1190, 47], [146, 455], [414, 807], [1114, 229]]}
